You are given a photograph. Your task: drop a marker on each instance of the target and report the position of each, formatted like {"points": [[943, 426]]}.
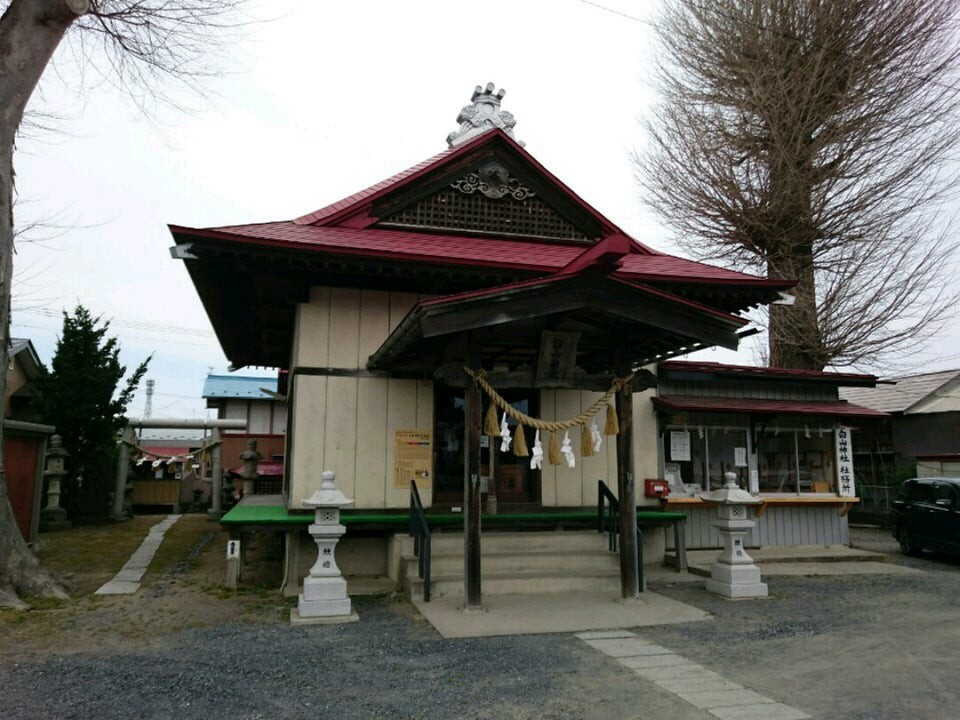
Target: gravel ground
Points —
{"points": [[880, 647], [389, 665]]}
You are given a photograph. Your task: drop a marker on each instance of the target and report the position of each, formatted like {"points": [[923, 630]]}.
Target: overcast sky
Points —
{"points": [[319, 101]]}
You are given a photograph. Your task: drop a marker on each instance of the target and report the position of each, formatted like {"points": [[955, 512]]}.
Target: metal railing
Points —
{"points": [[608, 521], [420, 532]]}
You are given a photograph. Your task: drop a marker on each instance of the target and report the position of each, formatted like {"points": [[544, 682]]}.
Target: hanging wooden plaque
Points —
{"points": [[558, 358]]}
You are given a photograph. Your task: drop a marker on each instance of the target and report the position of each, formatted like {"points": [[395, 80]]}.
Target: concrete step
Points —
{"points": [[519, 563], [546, 562], [520, 583], [493, 541]]}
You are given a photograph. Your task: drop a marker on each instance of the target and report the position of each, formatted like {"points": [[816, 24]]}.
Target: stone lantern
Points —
{"points": [[249, 457], [53, 516], [734, 574], [324, 597]]}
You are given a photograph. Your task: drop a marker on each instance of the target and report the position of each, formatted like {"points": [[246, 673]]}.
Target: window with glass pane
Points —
{"points": [[777, 461], [727, 448], [685, 449], [815, 454]]}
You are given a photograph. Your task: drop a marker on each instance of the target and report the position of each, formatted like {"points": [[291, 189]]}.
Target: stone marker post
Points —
{"points": [[734, 574], [324, 597]]}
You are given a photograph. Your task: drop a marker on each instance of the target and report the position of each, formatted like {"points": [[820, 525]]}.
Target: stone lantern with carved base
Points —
{"points": [[53, 516], [324, 597], [734, 574]]}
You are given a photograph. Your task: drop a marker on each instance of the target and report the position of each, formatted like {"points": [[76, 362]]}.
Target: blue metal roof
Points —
{"points": [[239, 386]]}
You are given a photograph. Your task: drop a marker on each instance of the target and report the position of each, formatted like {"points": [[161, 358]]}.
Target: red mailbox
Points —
{"points": [[656, 488]]}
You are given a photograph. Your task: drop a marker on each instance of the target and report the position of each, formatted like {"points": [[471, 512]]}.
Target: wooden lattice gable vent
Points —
{"points": [[491, 195], [488, 199]]}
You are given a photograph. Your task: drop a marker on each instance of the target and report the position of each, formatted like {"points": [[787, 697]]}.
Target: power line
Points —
{"points": [[618, 12], [132, 324]]}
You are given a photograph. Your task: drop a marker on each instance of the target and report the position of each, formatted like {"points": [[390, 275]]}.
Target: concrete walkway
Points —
{"points": [[127, 581], [583, 611], [806, 560], [689, 681], [553, 613]]}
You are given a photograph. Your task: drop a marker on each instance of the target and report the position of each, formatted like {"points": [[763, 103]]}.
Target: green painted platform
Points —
{"points": [[279, 515]]}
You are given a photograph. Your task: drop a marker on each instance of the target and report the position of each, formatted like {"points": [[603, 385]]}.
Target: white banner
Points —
{"points": [[845, 484]]}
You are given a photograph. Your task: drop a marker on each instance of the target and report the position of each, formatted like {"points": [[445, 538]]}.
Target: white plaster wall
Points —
{"points": [[645, 445], [562, 486], [347, 424]]}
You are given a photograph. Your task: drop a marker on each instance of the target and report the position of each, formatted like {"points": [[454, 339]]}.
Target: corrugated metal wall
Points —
{"points": [[779, 525]]}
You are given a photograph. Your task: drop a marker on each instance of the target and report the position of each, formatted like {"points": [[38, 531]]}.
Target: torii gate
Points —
{"points": [[129, 435]]}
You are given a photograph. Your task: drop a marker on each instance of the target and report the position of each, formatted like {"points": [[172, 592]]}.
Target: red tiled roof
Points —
{"points": [[327, 230], [838, 408], [341, 209], [669, 267], [332, 210], [768, 372], [438, 248]]}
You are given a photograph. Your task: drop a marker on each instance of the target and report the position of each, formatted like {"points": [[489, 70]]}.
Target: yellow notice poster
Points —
{"points": [[412, 458]]}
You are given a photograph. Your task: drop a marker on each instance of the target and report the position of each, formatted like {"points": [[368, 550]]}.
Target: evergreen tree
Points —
{"points": [[85, 397]]}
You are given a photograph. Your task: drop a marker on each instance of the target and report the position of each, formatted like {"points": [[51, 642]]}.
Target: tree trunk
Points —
{"points": [[30, 31], [794, 330]]}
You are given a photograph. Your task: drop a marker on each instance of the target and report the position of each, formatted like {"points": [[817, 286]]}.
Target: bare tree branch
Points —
{"points": [[141, 45], [815, 140]]}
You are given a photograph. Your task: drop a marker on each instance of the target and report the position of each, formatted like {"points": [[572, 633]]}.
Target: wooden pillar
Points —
{"points": [[471, 497], [627, 495]]}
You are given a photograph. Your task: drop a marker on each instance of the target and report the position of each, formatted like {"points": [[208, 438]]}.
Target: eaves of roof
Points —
{"points": [[753, 371], [442, 249], [839, 409]]}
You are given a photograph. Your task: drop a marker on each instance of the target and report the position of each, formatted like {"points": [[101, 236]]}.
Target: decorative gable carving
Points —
{"points": [[494, 181], [486, 200]]}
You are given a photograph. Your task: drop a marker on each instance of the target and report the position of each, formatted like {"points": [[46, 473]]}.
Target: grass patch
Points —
{"points": [[183, 546], [85, 557]]}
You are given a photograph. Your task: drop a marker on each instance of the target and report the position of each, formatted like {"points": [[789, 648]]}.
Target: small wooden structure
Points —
{"points": [[24, 448], [785, 434]]}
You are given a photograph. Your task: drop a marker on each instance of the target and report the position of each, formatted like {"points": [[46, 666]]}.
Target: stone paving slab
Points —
{"points": [[130, 575], [689, 681], [127, 581], [652, 661], [627, 647], [710, 699], [690, 669], [605, 634], [118, 587], [766, 711], [697, 684]]}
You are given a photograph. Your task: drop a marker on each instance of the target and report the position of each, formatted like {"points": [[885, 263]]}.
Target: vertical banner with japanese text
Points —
{"points": [[845, 484]]}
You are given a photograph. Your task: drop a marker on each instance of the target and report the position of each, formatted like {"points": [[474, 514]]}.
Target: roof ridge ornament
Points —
{"points": [[483, 115]]}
